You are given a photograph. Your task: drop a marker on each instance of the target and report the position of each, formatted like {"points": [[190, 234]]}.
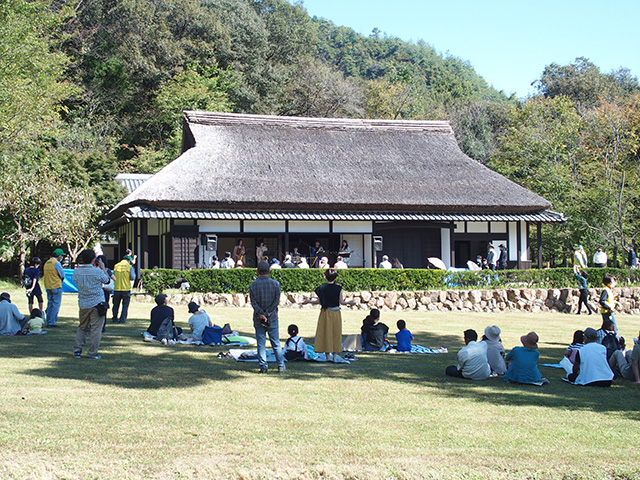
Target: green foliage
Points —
{"points": [[32, 85], [355, 280]]}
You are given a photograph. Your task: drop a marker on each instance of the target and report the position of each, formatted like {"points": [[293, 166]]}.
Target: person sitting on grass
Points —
{"points": [[576, 344], [524, 362], [495, 350], [626, 365], [374, 333], [591, 366], [198, 320], [294, 347], [403, 337], [472, 359], [159, 313], [35, 323], [11, 320]]}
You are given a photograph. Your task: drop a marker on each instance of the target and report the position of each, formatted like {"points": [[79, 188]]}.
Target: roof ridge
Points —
{"points": [[215, 118]]}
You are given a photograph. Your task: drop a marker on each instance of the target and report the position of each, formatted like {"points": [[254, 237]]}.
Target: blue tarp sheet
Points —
{"points": [[67, 284]]}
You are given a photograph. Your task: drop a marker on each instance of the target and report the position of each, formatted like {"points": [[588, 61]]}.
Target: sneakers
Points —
{"points": [[77, 354], [282, 370], [263, 370]]}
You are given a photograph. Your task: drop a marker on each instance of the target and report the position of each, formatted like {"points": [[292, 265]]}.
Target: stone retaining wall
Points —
{"points": [[525, 299]]}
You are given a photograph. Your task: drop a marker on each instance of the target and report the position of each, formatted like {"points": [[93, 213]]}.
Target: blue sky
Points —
{"points": [[507, 42]]}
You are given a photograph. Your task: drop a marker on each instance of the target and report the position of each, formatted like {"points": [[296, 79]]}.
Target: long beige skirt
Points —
{"points": [[329, 332]]}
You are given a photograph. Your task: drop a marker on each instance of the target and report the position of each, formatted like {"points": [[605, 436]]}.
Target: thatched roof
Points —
{"points": [[252, 162]]}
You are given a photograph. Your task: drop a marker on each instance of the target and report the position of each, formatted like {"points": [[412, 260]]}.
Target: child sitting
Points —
{"points": [[35, 323], [294, 347], [403, 337], [578, 341]]}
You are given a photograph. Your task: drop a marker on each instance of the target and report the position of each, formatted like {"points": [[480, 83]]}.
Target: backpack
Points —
{"points": [[27, 281], [165, 331], [212, 335], [611, 342]]}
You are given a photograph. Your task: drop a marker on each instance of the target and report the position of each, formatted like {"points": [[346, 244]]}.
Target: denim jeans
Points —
{"points": [[54, 300], [261, 339], [125, 297]]}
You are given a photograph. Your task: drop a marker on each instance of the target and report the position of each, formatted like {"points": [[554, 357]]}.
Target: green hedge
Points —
{"points": [[353, 280]]}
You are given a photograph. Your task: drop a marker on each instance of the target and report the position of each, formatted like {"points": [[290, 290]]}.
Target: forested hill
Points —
{"points": [[95, 87]]}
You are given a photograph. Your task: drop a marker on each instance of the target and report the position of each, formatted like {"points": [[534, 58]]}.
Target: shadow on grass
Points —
{"points": [[130, 363]]}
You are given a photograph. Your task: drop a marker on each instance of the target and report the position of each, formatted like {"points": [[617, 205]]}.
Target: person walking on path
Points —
{"points": [[264, 293], [53, 277], [125, 273], [581, 277], [91, 304]]}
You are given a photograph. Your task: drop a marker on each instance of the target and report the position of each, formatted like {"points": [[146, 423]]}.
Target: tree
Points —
{"points": [[41, 207], [32, 85], [540, 150], [316, 90], [611, 137]]}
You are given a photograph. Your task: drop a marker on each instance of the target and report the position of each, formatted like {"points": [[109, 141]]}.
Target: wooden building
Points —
{"points": [[404, 186]]}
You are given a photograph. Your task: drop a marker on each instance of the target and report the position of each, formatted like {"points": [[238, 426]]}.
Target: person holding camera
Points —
{"points": [[265, 298], [91, 303]]}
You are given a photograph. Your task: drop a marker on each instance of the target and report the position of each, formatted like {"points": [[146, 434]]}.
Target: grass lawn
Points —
{"points": [[149, 411]]}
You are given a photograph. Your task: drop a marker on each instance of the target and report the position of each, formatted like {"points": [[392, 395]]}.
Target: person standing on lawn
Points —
{"points": [[264, 293], [91, 304], [125, 273], [53, 274]]}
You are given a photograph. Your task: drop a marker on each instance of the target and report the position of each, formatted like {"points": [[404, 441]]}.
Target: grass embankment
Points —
{"points": [[148, 411]]}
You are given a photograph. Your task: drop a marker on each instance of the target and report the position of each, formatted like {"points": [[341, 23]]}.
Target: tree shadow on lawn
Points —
{"points": [[130, 363]]}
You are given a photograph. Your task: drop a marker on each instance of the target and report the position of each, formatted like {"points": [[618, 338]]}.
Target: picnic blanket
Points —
{"points": [[242, 355], [420, 349]]}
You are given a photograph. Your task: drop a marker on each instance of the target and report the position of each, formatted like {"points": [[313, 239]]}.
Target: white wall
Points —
{"points": [[445, 246]]}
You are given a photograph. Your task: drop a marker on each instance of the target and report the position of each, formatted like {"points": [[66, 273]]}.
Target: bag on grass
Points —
{"points": [[165, 331], [212, 335]]}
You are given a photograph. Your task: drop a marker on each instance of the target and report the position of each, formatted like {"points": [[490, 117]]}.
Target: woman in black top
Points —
{"points": [[329, 331]]}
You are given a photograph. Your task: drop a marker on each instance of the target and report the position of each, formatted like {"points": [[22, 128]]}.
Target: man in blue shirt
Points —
{"points": [[265, 298]]}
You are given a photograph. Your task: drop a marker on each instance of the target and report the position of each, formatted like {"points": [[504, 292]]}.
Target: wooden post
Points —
{"points": [[539, 228]]}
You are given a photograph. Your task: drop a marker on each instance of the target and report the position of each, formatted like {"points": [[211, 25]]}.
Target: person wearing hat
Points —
{"points": [[495, 350], [275, 264], [11, 320], [591, 366], [578, 256], [264, 293], [198, 320], [524, 362], [53, 275], [159, 313], [472, 359], [125, 273]]}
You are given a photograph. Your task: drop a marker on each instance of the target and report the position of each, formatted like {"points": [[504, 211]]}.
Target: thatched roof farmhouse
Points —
{"points": [[290, 181]]}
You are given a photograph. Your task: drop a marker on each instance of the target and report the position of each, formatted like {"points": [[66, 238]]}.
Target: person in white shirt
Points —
{"points": [[385, 263], [591, 366], [472, 359], [227, 261], [340, 264], [600, 258], [303, 263]]}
